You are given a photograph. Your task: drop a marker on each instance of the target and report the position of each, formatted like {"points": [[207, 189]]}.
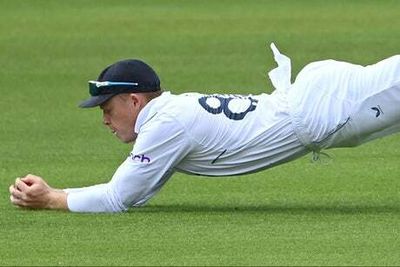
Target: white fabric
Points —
{"points": [[219, 135], [332, 102], [280, 76], [172, 139]]}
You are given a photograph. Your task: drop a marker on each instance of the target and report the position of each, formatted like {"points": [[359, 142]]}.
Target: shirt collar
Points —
{"points": [[149, 111]]}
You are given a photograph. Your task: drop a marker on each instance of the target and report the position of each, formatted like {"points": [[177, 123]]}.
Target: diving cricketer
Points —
{"points": [[331, 104]]}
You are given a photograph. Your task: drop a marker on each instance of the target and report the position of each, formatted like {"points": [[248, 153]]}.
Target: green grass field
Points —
{"points": [[342, 212]]}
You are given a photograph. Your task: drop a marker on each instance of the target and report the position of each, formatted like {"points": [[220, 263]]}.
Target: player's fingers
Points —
{"points": [[18, 194], [12, 199], [11, 188], [17, 181], [30, 179], [21, 185], [17, 201]]}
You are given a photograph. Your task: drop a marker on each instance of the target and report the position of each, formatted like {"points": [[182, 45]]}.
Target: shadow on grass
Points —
{"points": [[272, 209]]}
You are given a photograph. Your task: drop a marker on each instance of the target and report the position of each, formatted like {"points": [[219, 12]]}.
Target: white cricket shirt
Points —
{"points": [[212, 135]]}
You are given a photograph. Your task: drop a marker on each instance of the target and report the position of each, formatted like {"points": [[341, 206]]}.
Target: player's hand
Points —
{"points": [[33, 192]]}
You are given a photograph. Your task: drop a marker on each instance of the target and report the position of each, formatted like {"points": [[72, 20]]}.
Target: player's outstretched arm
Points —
{"points": [[33, 192]]}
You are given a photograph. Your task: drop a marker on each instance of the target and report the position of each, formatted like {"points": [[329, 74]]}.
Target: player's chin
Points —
{"points": [[127, 139]]}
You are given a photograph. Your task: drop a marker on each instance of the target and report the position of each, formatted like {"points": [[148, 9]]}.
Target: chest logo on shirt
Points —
{"points": [[141, 158], [235, 107]]}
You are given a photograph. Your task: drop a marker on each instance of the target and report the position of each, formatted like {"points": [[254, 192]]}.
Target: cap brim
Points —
{"points": [[95, 101]]}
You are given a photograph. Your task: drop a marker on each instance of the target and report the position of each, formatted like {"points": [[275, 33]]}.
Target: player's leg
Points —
{"points": [[375, 108], [370, 80], [335, 104], [375, 117]]}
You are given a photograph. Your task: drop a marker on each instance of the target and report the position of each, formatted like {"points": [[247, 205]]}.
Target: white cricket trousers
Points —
{"points": [[338, 104]]}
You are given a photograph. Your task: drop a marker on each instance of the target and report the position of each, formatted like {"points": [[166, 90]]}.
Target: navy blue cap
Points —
{"points": [[125, 76]]}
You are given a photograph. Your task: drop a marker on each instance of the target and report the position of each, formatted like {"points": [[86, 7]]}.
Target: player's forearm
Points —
{"points": [[98, 198]]}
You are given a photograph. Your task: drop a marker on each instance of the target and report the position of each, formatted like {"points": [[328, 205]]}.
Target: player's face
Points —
{"points": [[120, 113]]}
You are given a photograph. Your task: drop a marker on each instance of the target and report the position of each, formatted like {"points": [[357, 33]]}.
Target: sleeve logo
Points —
{"points": [[141, 158]]}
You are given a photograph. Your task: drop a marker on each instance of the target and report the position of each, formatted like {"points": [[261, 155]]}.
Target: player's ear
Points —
{"points": [[134, 98], [138, 100]]}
